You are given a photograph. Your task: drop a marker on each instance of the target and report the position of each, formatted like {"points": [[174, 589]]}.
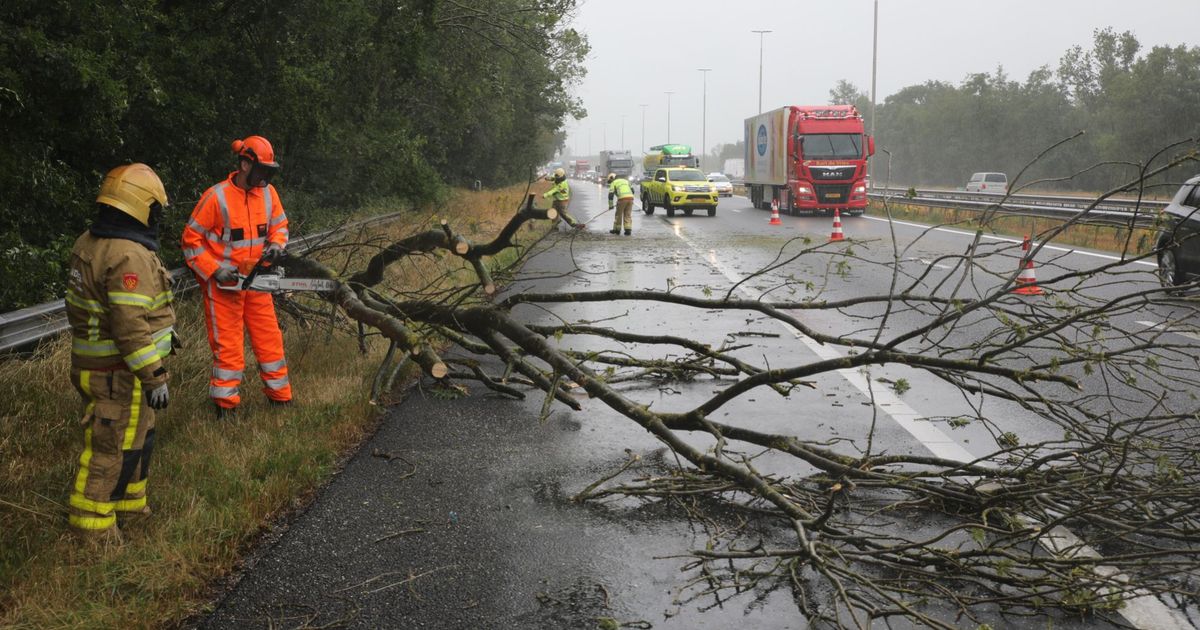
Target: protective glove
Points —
{"points": [[610, 206], [224, 275], [158, 397], [273, 252]]}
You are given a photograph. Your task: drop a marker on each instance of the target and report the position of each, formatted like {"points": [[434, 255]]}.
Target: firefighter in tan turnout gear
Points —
{"points": [[119, 309]]}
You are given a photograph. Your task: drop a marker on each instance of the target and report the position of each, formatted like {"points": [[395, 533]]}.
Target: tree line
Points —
{"points": [[362, 99], [1129, 103]]}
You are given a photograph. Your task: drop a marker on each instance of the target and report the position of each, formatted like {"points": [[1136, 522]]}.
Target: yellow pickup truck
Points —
{"points": [[679, 188]]}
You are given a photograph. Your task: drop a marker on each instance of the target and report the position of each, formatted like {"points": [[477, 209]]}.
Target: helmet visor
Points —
{"points": [[261, 174]]}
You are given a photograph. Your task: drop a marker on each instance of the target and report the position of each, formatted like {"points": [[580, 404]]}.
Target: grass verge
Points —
{"points": [[214, 487], [1107, 238]]}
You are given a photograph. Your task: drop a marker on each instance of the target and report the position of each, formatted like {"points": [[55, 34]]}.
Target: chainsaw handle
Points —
{"points": [[259, 266]]}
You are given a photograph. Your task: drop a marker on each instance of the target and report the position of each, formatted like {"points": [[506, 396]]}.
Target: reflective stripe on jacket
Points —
{"points": [[560, 192], [230, 226], [620, 189], [119, 307]]}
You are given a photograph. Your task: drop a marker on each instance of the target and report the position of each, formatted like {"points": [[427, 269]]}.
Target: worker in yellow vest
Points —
{"points": [[560, 193], [619, 188]]}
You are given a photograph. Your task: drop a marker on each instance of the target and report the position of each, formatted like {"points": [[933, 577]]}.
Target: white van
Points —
{"points": [[988, 183]]}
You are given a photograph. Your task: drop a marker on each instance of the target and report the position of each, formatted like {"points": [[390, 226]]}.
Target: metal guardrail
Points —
{"points": [[27, 326], [1058, 204]]}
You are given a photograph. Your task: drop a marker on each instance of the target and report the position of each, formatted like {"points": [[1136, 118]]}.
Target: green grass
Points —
{"points": [[214, 487], [1106, 238]]}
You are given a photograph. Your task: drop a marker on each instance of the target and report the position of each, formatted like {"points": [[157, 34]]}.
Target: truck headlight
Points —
{"points": [[860, 189], [803, 190], [678, 188]]}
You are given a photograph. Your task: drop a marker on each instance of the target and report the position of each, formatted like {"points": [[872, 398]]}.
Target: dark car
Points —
{"points": [[1179, 244]]}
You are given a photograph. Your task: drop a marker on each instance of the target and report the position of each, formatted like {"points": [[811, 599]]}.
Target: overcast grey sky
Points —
{"points": [[642, 48]]}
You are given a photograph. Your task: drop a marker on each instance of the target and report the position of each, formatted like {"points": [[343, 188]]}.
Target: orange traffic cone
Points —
{"points": [[1027, 281], [775, 213], [837, 226]]}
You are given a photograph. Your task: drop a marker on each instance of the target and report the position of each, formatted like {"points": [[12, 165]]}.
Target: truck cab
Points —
{"points": [[679, 188]]}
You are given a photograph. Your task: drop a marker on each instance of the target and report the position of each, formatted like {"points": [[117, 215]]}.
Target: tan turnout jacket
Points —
{"points": [[119, 308]]}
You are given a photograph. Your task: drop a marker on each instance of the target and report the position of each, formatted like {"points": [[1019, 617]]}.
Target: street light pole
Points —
{"points": [[874, 59], [604, 136], [668, 116], [704, 118], [643, 106], [760, 66], [622, 147]]}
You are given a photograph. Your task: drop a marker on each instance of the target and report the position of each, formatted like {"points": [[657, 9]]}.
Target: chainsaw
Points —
{"points": [[274, 281]]}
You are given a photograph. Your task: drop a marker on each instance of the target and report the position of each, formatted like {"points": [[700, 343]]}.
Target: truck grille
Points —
{"points": [[832, 172], [837, 194], [696, 188]]}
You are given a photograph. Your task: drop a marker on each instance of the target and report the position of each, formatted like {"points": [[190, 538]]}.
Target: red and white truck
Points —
{"points": [[811, 158], [581, 168]]}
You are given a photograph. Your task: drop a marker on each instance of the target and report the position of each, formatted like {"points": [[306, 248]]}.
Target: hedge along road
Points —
{"points": [[457, 513]]}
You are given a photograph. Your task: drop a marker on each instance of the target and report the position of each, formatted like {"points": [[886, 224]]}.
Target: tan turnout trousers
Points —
{"points": [[624, 214], [118, 440]]}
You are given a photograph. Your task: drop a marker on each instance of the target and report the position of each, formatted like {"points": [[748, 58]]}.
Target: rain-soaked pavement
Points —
{"points": [[457, 513]]}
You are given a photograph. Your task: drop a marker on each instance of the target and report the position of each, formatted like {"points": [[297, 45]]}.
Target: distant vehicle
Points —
{"points": [[810, 158], [679, 188], [988, 183], [619, 162], [723, 185], [667, 155], [735, 169], [582, 167], [1179, 242]]}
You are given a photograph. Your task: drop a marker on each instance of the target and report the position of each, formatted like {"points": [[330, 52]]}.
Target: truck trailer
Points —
{"points": [[581, 168], [809, 158]]}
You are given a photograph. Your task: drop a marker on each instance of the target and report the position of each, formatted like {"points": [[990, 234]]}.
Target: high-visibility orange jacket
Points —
{"points": [[230, 226]]}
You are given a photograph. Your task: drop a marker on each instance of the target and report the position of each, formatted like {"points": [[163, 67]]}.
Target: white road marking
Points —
{"points": [[1143, 610], [1162, 326], [1006, 239]]}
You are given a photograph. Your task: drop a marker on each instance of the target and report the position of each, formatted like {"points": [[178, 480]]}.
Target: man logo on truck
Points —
{"points": [[762, 139]]}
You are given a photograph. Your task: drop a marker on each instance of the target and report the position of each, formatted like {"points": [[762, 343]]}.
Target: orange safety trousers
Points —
{"points": [[229, 315], [118, 440]]}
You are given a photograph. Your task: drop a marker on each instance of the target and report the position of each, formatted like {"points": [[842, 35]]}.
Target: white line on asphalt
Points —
{"points": [[1144, 611], [1162, 326], [1010, 240]]}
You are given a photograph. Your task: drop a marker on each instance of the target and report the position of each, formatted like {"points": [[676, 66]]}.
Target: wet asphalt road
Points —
{"points": [[457, 514]]}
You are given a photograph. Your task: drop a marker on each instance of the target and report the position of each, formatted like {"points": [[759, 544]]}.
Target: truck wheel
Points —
{"points": [[647, 207], [669, 208], [712, 212]]}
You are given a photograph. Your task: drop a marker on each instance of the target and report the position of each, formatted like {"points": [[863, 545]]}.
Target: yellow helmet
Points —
{"points": [[611, 177], [133, 189], [558, 172]]}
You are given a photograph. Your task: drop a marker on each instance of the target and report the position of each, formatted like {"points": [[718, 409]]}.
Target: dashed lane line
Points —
{"points": [[1143, 611]]}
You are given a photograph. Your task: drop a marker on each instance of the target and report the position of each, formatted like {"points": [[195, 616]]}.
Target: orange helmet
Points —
{"points": [[257, 150]]}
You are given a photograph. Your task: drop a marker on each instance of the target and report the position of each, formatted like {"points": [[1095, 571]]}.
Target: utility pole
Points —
{"points": [[760, 60], [704, 119], [643, 106], [604, 136], [668, 116], [874, 58], [622, 147]]}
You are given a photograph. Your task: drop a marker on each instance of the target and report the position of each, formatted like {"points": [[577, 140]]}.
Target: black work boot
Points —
{"points": [[628, 232], [614, 231], [280, 403], [226, 413]]}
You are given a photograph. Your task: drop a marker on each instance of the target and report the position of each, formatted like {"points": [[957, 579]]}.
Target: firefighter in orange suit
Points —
{"points": [[237, 223], [119, 309]]}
